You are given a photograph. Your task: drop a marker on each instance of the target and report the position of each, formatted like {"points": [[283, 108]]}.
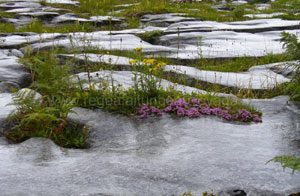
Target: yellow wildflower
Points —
{"points": [[26, 90], [175, 83], [133, 61], [138, 49], [86, 94], [149, 61], [150, 70], [160, 64], [155, 68], [107, 52]]}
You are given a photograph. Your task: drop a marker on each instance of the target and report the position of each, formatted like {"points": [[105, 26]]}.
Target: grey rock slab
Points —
{"points": [[127, 5], [160, 19], [263, 6], [216, 44], [71, 17], [255, 79], [68, 17], [107, 18], [222, 44], [7, 87], [259, 25], [239, 2], [287, 69], [102, 40], [44, 9], [42, 15], [14, 40], [99, 58], [159, 156], [124, 80], [264, 15], [20, 21], [21, 4], [141, 30], [5, 109], [12, 71], [67, 2], [39, 14], [17, 53], [20, 10]]}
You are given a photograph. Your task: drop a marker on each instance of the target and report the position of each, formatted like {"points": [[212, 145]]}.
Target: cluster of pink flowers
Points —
{"points": [[194, 109], [145, 111]]}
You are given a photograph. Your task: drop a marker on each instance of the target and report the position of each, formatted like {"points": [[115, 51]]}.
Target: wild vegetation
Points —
{"points": [[188, 193], [292, 46], [60, 92], [43, 108]]}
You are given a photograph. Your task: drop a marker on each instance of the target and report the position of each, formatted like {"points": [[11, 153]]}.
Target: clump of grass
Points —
{"points": [[240, 64], [238, 12], [151, 36], [7, 28], [38, 27]]}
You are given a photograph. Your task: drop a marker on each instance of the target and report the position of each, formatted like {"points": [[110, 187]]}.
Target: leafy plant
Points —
{"points": [[34, 118], [287, 161], [147, 75], [45, 116], [291, 44]]}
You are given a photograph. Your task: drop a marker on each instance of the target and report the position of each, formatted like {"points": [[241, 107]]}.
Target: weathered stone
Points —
{"points": [[16, 53], [255, 79], [41, 15], [5, 109], [21, 21], [124, 80], [70, 17], [122, 63], [159, 156], [12, 71], [21, 4], [104, 40], [165, 19], [7, 87], [252, 26], [16, 41], [223, 44], [264, 15]]}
